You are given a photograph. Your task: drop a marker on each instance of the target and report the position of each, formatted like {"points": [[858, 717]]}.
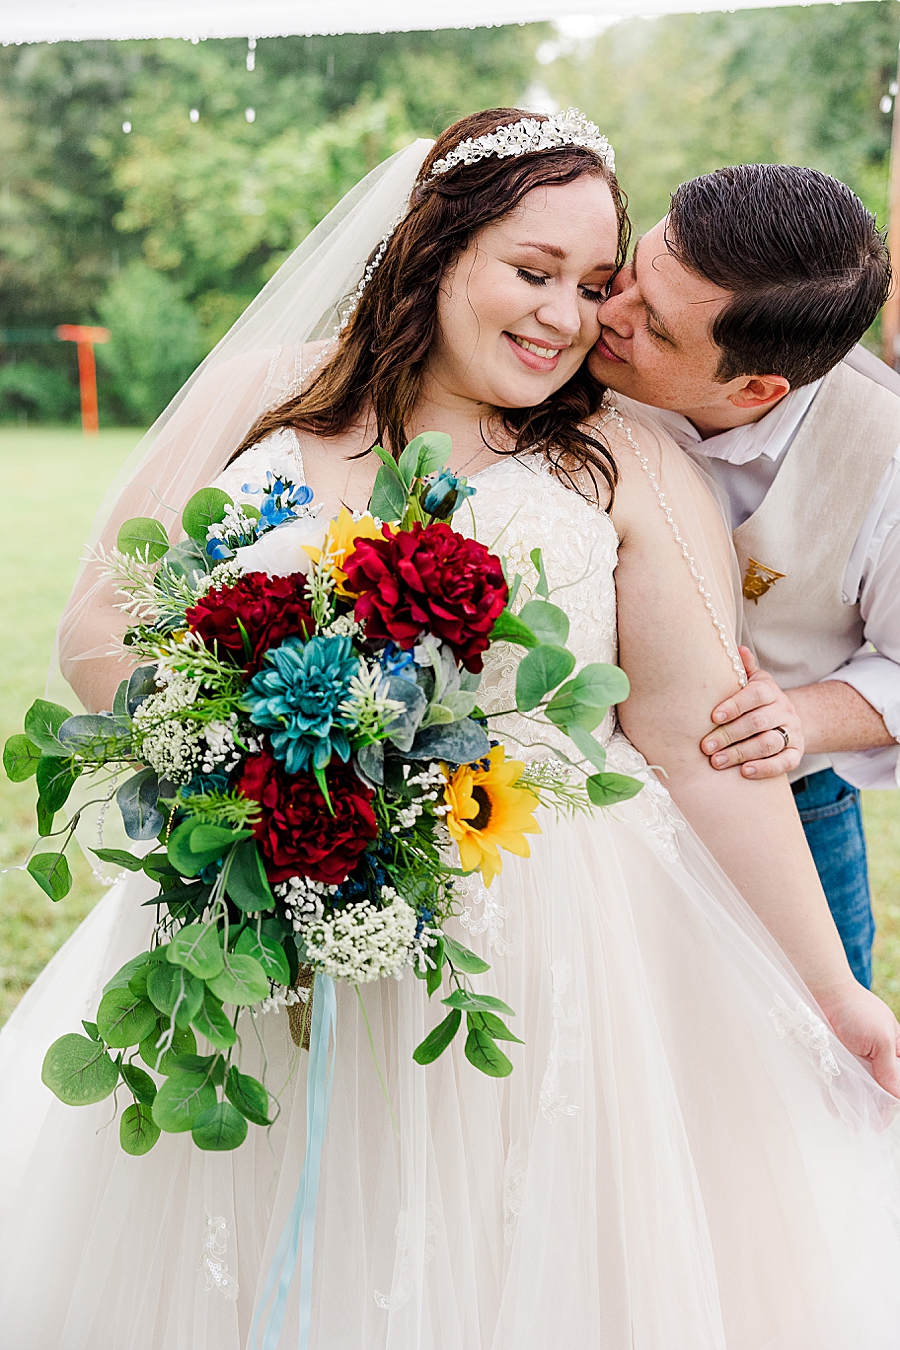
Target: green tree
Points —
{"points": [[682, 95], [155, 340]]}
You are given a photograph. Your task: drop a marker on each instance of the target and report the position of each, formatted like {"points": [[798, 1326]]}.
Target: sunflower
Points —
{"points": [[487, 812], [340, 539]]}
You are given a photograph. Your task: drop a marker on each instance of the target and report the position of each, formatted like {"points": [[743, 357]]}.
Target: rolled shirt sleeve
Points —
{"points": [[873, 574]]}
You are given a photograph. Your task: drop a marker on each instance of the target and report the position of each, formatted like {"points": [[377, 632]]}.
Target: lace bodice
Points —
{"points": [[519, 506]]}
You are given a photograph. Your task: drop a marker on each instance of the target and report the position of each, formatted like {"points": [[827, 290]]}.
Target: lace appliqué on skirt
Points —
{"points": [[212, 1265], [408, 1241], [654, 806], [800, 1026], [490, 920], [566, 1046], [513, 1191]]}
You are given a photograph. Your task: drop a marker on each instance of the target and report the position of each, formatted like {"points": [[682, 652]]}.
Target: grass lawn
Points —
{"points": [[54, 480]]}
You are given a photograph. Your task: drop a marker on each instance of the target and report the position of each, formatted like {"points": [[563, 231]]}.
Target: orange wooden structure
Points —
{"points": [[84, 338]]}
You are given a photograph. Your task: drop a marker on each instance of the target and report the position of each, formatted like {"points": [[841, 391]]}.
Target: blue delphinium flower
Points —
{"points": [[395, 661], [446, 494], [281, 500], [296, 697]]}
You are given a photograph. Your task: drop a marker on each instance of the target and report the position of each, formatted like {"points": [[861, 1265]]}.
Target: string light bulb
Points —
{"points": [[250, 114], [251, 53], [194, 114]]}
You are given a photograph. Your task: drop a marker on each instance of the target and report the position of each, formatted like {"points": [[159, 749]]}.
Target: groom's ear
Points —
{"points": [[758, 391]]}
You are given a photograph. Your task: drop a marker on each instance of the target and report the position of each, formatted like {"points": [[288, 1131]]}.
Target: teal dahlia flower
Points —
{"points": [[296, 697]]}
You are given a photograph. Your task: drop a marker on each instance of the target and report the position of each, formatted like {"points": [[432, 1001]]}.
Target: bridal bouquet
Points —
{"points": [[309, 773]]}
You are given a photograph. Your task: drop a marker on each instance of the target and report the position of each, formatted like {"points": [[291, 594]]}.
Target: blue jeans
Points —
{"points": [[830, 811]]}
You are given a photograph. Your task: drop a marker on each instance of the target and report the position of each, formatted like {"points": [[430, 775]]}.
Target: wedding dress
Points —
{"points": [[683, 1158]]}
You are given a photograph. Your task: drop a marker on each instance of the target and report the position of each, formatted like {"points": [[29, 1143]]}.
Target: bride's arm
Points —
{"points": [[679, 669]]}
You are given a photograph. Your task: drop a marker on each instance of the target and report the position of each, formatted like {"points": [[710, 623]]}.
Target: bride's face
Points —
{"points": [[517, 311]]}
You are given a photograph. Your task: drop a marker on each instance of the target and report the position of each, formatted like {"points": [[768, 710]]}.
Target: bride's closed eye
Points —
{"points": [[535, 279]]}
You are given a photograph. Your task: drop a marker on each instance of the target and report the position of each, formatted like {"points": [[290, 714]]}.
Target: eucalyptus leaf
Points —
{"points": [[463, 959], [137, 800], [247, 884], [188, 559], [548, 622], [541, 670], [55, 780], [193, 845], [97, 736], [268, 951], [161, 1061], [460, 743], [437, 1040], [605, 789], [485, 1055], [242, 982], [42, 722], [92, 1030], [181, 1099], [139, 1083], [124, 1019], [462, 998], [248, 1095], [141, 684], [20, 757], [51, 872], [175, 992], [211, 1022], [205, 508], [78, 1070], [388, 499], [123, 976], [197, 947], [219, 1128], [591, 749], [119, 857], [119, 707], [138, 1131], [424, 455], [44, 818], [537, 558], [143, 537]]}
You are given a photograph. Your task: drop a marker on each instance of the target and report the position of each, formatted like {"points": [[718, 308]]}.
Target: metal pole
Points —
{"points": [[890, 315]]}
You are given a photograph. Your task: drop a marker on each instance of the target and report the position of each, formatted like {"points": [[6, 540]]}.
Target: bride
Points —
{"points": [[697, 1147]]}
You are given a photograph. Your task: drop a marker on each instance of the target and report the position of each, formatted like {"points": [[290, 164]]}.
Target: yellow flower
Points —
{"points": [[340, 539], [489, 812]]}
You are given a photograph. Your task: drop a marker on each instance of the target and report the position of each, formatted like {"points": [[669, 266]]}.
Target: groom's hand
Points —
{"points": [[747, 730]]}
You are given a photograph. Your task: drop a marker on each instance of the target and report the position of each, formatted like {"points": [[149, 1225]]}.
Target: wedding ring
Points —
{"points": [[787, 739]]}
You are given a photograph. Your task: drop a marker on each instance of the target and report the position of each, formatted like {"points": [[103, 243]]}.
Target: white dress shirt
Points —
{"points": [[745, 462]]}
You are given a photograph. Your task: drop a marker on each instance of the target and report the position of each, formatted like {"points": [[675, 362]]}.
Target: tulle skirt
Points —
{"points": [[683, 1158]]}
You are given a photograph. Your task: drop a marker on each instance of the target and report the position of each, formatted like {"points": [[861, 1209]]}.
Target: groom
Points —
{"points": [[737, 321]]}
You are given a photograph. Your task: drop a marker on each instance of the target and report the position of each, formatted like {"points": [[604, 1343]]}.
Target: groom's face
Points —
{"points": [[656, 339]]}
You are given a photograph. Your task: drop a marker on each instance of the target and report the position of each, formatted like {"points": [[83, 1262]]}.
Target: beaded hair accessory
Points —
{"points": [[525, 137]]}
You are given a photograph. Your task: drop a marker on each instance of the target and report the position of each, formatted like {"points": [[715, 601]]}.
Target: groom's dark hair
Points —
{"points": [[806, 265]]}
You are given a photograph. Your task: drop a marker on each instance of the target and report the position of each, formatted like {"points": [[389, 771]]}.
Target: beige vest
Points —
{"points": [[805, 529]]}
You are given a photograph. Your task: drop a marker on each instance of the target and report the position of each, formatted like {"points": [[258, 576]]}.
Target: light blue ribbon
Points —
{"points": [[299, 1231]]}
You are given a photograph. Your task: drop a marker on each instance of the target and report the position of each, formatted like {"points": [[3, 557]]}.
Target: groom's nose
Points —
{"points": [[617, 311]]}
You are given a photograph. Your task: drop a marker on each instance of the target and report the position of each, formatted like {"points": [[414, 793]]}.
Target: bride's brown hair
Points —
{"points": [[381, 354]]}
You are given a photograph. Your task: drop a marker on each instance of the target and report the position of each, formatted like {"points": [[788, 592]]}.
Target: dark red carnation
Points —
{"points": [[297, 835], [428, 578], [269, 609]]}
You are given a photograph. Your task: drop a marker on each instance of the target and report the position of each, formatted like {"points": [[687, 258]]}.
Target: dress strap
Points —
{"points": [[613, 415]]}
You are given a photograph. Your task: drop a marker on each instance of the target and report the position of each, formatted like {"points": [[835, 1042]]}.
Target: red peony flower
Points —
{"points": [[297, 835], [269, 609], [428, 578]]}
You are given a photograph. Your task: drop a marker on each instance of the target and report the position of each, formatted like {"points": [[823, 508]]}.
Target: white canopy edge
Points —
{"points": [[67, 20]]}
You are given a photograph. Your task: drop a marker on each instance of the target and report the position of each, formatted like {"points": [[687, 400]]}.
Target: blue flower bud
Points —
{"points": [[445, 495]]}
